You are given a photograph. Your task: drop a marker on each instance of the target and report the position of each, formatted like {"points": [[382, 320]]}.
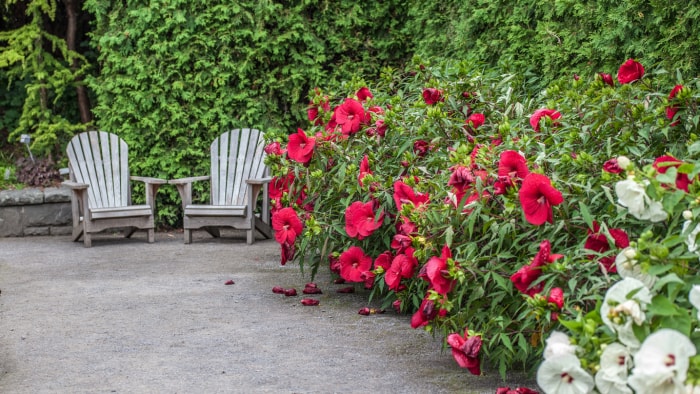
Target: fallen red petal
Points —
{"points": [[229, 282], [309, 302], [364, 311], [312, 290], [311, 284], [278, 290], [290, 292], [348, 289]]}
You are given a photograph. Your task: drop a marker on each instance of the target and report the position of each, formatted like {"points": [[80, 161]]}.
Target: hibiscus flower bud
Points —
{"points": [[623, 162], [396, 305], [364, 311], [309, 302], [630, 253], [278, 290], [687, 215]]}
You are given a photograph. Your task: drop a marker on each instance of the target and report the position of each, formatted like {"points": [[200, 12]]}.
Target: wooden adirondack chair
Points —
{"points": [[101, 193], [238, 174]]}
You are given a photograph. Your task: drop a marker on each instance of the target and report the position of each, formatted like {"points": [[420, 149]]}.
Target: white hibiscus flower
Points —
{"points": [[633, 196], [619, 312], [563, 375], [661, 364]]}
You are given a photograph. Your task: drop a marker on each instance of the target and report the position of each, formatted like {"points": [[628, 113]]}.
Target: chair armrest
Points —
{"points": [[260, 181], [184, 187], [182, 181], [155, 181], [152, 185], [75, 185]]}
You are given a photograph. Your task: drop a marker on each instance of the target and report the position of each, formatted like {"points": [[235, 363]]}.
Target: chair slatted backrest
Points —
{"points": [[101, 160], [236, 156]]}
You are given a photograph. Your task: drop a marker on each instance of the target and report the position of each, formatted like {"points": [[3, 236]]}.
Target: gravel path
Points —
{"points": [[126, 316]]}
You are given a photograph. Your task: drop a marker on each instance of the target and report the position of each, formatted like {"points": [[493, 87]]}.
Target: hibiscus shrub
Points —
{"points": [[454, 195]]}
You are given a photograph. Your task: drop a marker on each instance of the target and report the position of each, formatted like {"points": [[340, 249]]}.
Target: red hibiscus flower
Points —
{"points": [[461, 179], [630, 71], [421, 148], [527, 274], [363, 94], [361, 220], [661, 164], [436, 271], [475, 120], [607, 79], [274, 148], [405, 194], [556, 297], [364, 169], [465, 350], [612, 167], [426, 312], [400, 242], [432, 96], [301, 147], [402, 267], [287, 225], [353, 262], [512, 165], [537, 195], [598, 242], [383, 260], [279, 186], [672, 110], [350, 115], [519, 390], [543, 113]]}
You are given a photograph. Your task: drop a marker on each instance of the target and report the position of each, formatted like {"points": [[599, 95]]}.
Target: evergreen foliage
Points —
{"points": [[175, 74]]}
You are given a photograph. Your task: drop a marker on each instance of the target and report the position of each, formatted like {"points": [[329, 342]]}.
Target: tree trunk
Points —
{"points": [[72, 9]]}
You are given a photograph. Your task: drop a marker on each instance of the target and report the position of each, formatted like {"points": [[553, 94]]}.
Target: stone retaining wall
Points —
{"points": [[35, 212]]}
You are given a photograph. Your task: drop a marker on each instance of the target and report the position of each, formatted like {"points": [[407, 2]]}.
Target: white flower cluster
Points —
{"points": [[659, 364]]}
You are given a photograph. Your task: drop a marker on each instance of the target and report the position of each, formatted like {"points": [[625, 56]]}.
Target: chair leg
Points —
{"points": [[129, 232], [250, 236], [151, 236], [87, 240], [188, 236]]}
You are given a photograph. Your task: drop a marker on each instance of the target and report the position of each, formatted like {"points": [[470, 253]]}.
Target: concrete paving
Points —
{"points": [[126, 316]]}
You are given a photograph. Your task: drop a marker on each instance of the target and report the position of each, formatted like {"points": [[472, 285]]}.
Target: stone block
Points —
{"points": [[12, 221], [56, 194], [36, 231], [61, 230], [48, 214], [21, 197]]}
